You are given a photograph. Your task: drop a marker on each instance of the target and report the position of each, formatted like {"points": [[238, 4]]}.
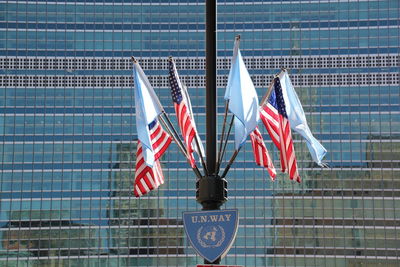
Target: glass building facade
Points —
{"points": [[68, 134]]}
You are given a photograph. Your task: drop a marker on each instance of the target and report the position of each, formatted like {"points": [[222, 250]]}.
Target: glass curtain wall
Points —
{"points": [[68, 135]]}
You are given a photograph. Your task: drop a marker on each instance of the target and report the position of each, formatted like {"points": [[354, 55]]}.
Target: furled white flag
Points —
{"points": [[297, 119], [243, 99], [243, 103]]}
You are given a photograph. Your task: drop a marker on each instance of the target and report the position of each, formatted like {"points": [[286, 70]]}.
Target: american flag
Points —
{"points": [[273, 114], [149, 178], [261, 154], [182, 110]]}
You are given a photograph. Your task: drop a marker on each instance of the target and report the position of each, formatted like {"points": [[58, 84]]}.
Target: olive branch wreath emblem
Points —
{"points": [[219, 243]]}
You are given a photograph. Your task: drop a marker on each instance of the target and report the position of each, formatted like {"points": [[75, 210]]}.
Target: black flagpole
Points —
{"points": [[211, 190], [220, 155], [211, 85]]}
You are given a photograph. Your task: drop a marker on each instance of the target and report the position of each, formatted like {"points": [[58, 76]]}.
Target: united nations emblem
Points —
{"points": [[211, 233], [211, 236]]}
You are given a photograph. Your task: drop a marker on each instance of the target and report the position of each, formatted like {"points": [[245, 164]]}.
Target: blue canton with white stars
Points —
{"points": [[175, 90], [279, 98], [272, 99]]}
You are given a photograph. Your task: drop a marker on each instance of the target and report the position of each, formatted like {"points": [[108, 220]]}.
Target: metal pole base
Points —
{"points": [[211, 192]]}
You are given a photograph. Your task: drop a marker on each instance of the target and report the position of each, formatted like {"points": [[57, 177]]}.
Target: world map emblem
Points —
{"points": [[211, 233], [211, 236]]}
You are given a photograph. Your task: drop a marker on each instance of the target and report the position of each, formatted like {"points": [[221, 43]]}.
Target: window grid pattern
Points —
{"points": [[68, 134], [107, 81], [256, 62]]}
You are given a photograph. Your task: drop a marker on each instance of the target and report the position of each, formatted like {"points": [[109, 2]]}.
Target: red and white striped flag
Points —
{"points": [[261, 154], [273, 114], [183, 112], [149, 178]]}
